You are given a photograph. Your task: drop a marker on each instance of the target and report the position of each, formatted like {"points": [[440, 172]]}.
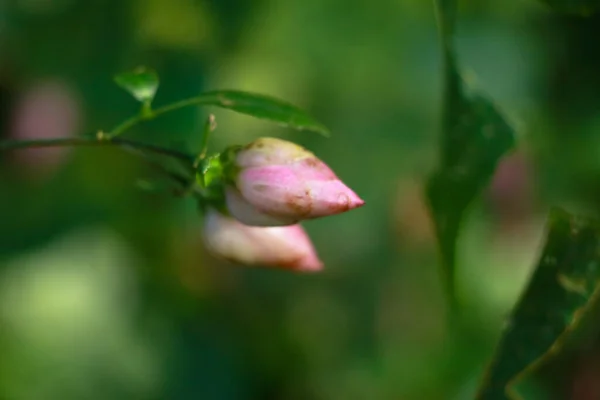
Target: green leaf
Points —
{"points": [[555, 310], [141, 83], [581, 7], [474, 138], [255, 105]]}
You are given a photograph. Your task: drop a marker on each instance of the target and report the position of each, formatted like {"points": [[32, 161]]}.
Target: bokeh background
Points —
{"points": [[106, 291]]}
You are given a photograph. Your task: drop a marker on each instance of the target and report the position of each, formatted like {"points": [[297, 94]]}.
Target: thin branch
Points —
{"points": [[209, 126], [126, 125], [203, 99], [150, 114], [91, 142], [154, 149]]}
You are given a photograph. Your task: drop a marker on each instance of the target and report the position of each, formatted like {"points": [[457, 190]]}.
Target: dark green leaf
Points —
{"points": [[582, 7], [141, 83], [256, 105], [554, 307], [475, 136]]}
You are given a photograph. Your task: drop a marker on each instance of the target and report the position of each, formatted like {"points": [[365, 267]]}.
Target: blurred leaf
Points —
{"points": [[474, 138], [255, 105], [583, 7], [554, 307], [153, 186], [141, 83]]}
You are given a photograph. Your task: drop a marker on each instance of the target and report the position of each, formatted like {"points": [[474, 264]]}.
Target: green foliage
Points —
{"points": [[554, 307], [475, 136], [142, 84], [341, 353]]}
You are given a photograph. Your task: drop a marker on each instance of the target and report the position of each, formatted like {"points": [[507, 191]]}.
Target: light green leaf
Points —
{"points": [[255, 105], [142, 83], [557, 309]]}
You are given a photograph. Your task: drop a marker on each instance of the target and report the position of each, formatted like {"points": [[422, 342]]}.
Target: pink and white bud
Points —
{"points": [[286, 247], [279, 183]]}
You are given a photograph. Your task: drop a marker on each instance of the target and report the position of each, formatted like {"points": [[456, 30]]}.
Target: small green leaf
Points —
{"points": [[255, 105], [581, 7], [141, 83], [210, 177], [554, 310], [475, 136]]}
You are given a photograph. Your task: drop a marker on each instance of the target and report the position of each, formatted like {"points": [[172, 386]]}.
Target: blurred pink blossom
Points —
{"points": [[47, 110], [512, 192], [286, 247]]}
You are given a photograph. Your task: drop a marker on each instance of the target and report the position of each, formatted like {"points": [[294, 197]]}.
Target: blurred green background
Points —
{"points": [[106, 291]]}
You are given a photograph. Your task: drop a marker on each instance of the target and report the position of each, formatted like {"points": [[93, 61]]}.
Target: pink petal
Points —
{"points": [[296, 192], [246, 213], [332, 197], [271, 151], [286, 247]]}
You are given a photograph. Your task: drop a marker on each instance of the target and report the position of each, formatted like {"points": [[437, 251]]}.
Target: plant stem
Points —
{"points": [[110, 138], [147, 114], [209, 126], [127, 124], [99, 141], [206, 98]]}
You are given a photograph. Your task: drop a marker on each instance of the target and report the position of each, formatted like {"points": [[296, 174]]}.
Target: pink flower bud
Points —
{"points": [[280, 183], [287, 247]]}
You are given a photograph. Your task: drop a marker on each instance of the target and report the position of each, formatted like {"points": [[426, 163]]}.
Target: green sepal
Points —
{"points": [[209, 177], [229, 167]]}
